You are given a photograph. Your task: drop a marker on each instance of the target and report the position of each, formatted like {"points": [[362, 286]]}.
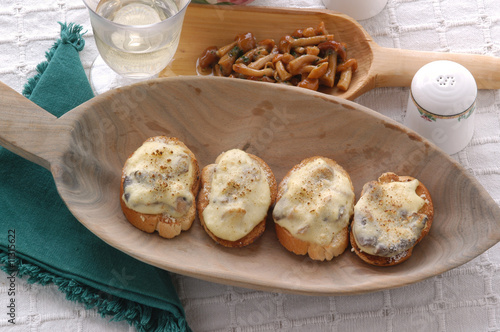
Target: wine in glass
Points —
{"points": [[136, 39]]}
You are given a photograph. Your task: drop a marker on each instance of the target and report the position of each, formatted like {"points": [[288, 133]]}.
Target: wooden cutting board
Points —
{"points": [[86, 148], [206, 25]]}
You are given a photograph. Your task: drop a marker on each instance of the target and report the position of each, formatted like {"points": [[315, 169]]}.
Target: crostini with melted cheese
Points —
{"points": [[392, 215], [235, 196], [314, 208], [159, 184]]}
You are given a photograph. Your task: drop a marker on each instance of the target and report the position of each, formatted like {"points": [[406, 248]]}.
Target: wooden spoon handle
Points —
{"points": [[25, 128], [396, 67]]}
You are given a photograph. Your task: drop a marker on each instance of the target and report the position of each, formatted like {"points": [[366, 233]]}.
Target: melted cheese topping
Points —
{"points": [[317, 203], [158, 180], [239, 197], [386, 220]]}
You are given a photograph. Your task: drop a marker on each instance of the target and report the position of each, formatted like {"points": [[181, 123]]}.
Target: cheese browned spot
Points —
{"points": [[158, 180], [317, 203], [239, 198], [386, 219]]}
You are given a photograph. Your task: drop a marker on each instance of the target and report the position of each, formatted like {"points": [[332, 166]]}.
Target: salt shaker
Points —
{"points": [[441, 105]]}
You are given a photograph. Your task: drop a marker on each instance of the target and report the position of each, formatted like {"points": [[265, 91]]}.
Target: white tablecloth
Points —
{"points": [[464, 299]]}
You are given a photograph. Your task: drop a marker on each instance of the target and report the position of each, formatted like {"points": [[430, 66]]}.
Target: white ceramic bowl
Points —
{"points": [[357, 9]]}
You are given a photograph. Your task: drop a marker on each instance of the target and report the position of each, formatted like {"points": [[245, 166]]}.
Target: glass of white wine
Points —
{"points": [[136, 39]]}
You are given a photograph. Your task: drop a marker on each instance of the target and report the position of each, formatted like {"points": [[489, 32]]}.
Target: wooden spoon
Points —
{"points": [[378, 66], [86, 148]]}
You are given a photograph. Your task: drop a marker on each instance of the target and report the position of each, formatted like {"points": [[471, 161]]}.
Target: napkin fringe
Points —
{"points": [[70, 34], [143, 318]]}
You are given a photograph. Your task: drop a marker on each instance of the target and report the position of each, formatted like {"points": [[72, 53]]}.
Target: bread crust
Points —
{"points": [[427, 209], [315, 251], [203, 200], [165, 225]]}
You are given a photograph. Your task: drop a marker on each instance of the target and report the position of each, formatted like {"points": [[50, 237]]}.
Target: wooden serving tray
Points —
{"points": [[86, 148], [206, 25]]}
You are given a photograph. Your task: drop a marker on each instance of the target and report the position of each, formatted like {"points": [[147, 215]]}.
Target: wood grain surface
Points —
{"points": [[86, 148], [206, 25]]}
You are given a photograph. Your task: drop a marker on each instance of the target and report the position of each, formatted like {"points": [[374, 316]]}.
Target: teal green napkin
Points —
{"points": [[41, 240]]}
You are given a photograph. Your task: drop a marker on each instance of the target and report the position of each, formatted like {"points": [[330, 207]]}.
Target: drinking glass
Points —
{"points": [[136, 39]]}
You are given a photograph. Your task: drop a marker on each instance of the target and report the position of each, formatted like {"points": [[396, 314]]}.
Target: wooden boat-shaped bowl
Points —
{"points": [[86, 148], [206, 25]]}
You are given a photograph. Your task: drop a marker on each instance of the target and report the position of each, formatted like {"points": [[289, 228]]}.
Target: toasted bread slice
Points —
{"points": [[313, 250], [207, 175], [427, 211], [165, 224], [313, 247]]}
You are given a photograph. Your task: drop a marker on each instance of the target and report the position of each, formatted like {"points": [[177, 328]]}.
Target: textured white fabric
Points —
{"points": [[464, 299]]}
